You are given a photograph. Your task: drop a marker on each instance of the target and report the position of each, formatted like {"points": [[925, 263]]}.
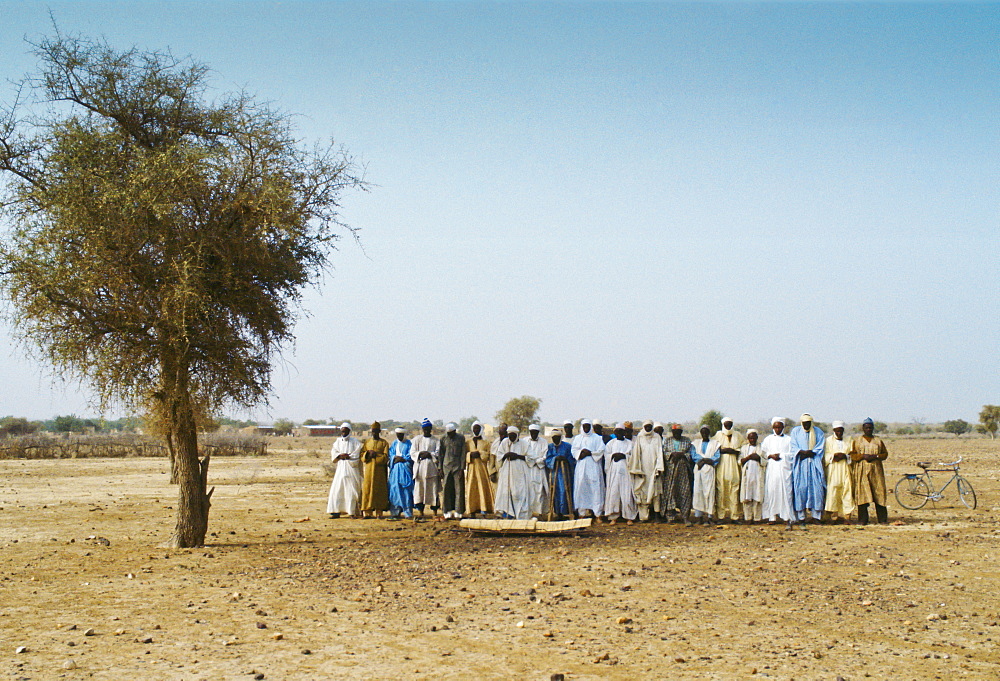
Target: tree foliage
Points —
{"points": [[957, 426], [989, 419], [160, 240], [519, 411], [713, 419], [283, 427]]}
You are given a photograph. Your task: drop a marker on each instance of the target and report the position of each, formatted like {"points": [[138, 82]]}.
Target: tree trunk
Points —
{"points": [[191, 472]]}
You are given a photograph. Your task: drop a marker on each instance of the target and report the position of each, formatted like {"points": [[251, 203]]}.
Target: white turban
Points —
{"points": [[345, 424], [535, 426], [567, 422], [778, 419], [806, 417], [476, 423], [838, 424], [451, 427], [586, 422], [752, 430], [400, 430], [619, 425], [513, 429]]}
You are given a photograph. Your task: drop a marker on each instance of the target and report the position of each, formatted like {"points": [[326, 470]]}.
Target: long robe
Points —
{"points": [[777, 477], [869, 476], [703, 495], [478, 473], [452, 460], [808, 479], [401, 478], [646, 467], [752, 482], [727, 476], [375, 488], [345, 490], [619, 496], [537, 449], [678, 477], [514, 481], [561, 476], [839, 497], [426, 473], [588, 476]]}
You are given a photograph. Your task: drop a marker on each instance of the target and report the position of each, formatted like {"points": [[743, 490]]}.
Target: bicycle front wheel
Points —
{"points": [[912, 492], [966, 493]]}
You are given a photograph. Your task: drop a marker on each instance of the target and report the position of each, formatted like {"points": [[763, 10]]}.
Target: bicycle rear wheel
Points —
{"points": [[912, 492], [966, 493]]}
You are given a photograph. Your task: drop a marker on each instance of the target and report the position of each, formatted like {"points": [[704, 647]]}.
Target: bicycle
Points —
{"points": [[914, 489]]}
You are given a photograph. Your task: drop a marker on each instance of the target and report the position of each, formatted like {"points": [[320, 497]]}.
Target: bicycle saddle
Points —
{"points": [[924, 464]]}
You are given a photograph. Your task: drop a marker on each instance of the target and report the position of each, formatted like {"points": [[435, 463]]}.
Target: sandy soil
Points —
{"points": [[282, 592]]}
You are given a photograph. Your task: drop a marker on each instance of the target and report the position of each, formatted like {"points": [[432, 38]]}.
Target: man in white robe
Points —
{"points": [[538, 449], [513, 498], [619, 497], [345, 490], [646, 467], [777, 448], [705, 456], [588, 478], [426, 469], [752, 480]]}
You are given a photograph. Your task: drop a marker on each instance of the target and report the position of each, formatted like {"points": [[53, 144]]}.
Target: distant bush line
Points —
{"points": [[124, 445]]}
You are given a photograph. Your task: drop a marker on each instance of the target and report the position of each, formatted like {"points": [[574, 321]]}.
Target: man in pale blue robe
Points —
{"points": [[588, 477], [400, 476], [808, 478]]}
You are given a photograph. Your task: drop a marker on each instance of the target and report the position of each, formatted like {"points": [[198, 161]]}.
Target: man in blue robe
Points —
{"points": [[400, 476], [808, 478], [559, 462]]}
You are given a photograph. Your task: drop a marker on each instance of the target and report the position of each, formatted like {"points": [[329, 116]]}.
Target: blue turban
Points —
{"points": [[426, 423], [868, 420]]}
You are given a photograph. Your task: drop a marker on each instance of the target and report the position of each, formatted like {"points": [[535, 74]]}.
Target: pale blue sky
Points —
{"points": [[627, 210]]}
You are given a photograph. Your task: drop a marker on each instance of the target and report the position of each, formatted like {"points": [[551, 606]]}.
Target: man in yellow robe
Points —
{"points": [[480, 468], [868, 452], [837, 460], [727, 473], [375, 488]]}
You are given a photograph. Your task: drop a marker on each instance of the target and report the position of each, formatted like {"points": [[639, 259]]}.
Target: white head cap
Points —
{"points": [[451, 427], [400, 430], [838, 424], [778, 419], [535, 426], [567, 422], [345, 424], [513, 429], [619, 425]]}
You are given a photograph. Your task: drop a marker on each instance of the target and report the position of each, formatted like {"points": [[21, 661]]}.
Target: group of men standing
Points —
{"points": [[642, 475]]}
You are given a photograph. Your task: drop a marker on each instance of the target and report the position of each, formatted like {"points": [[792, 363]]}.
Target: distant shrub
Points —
{"points": [[121, 446]]}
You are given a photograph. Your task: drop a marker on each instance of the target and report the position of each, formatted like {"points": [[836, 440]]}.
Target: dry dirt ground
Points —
{"points": [[282, 592]]}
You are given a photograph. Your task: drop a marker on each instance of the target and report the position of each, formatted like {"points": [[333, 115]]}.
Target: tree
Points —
{"points": [[957, 426], [160, 240], [465, 425], [12, 426], [989, 419], [713, 419], [519, 411], [283, 427], [880, 427]]}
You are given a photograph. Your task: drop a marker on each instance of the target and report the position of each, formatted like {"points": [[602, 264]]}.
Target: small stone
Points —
{"points": [[818, 655], [866, 604], [933, 617], [602, 658], [306, 651], [586, 593], [557, 677], [548, 634], [69, 664], [147, 639], [20, 649], [679, 660], [718, 561], [333, 609], [624, 620], [520, 625], [277, 637], [449, 618], [258, 676], [89, 632], [260, 612], [261, 625], [71, 627]]}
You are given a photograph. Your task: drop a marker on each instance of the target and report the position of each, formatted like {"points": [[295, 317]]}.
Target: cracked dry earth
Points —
{"points": [[281, 592]]}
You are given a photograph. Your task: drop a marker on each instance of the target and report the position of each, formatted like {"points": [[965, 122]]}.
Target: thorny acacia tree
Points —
{"points": [[160, 242]]}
